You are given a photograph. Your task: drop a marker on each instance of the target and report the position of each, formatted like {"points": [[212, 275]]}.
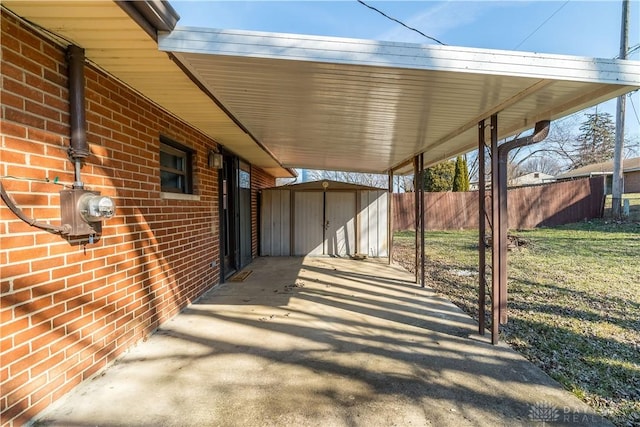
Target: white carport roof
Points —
{"points": [[370, 106]]}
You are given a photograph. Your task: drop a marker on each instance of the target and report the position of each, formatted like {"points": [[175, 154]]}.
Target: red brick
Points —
{"points": [[15, 326], [16, 413], [31, 280], [54, 77], [32, 332], [47, 137], [47, 263], [6, 343], [66, 318], [65, 271], [37, 56], [20, 144], [23, 117], [48, 314], [12, 298], [27, 254], [34, 305], [16, 58], [13, 100], [42, 110], [12, 129], [22, 89]]}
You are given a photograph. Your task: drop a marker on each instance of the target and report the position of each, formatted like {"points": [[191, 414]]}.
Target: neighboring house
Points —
{"points": [[533, 178], [111, 97], [630, 170]]}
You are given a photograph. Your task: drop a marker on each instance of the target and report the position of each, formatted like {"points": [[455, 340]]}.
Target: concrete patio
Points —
{"points": [[320, 341]]}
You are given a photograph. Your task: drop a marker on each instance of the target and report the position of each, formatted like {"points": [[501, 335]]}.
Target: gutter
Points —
{"points": [[151, 15]]}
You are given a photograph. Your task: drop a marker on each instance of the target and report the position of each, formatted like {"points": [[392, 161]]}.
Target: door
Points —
{"points": [[308, 223], [235, 215], [340, 227], [244, 206], [228, 229]]}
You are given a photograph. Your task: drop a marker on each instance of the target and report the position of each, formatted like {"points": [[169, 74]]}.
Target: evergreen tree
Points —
{"points": [[596, 141], [439, 177], [461, 175]]}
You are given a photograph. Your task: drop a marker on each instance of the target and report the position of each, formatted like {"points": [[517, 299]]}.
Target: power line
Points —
{"points": [[634, 107], [400, 22], [541, 25], [631, 50]]}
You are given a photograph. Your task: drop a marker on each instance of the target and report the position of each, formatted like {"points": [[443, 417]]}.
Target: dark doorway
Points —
{"points": [[235, 215], [227, 216], [244, 225]]}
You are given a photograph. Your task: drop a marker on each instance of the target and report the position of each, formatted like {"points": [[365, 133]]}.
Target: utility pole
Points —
{"points": [[618, 176]]}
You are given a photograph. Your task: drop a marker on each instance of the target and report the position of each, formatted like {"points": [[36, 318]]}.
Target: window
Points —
{"points": [[175, 167], [245, 175]]}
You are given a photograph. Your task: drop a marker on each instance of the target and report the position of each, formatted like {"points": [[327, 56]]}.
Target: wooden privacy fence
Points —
{"points": [[529, 207]]}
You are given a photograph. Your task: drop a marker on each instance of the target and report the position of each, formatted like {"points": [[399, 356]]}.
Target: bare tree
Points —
{"points": [[403, 183], [545, 164]]}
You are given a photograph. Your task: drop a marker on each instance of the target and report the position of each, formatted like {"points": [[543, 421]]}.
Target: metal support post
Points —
{"points": [[390, 218], [495, 240], [422, 222], [416, 191], [502, 236], [482, 231]]}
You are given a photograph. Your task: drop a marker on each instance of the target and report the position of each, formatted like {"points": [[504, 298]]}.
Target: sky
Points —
{"points": [[573, 27]]}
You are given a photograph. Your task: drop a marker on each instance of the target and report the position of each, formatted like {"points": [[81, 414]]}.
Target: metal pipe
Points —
{"points": [[390, 218], [482, 231], [495, 242], [422, 209], [416, 178], [79, 148], [501, 223], [31, 221], [501, 236]]}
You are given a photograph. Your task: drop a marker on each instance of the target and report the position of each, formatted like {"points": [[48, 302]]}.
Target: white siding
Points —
{"points": [[275, 223], [308, 223], [339, 236], [372, 223]]}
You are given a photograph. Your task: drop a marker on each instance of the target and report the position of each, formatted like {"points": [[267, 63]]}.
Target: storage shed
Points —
{"points": [[324, 218]]}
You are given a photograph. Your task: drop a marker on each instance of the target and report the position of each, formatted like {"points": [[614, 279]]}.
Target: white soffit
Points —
{"points": [[369, 106], [117, 44]]}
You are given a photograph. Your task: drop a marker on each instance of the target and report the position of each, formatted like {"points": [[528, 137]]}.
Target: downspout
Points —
{"points": [[502, 226], [79, 149]]}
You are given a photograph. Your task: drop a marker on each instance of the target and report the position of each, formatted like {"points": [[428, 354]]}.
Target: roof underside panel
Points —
{"points": [[362, 105], [117, 44]]}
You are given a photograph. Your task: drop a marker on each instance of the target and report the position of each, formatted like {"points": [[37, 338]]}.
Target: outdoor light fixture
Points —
{"points": [[215, 160], [325, 184]]}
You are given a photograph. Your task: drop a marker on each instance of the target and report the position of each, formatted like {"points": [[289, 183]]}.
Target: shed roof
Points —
{"points": [[330, 185]]}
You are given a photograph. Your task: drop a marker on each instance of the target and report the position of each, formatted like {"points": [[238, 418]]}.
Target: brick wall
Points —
{"points": [[259, 180], [67, 311], [632, 182]]}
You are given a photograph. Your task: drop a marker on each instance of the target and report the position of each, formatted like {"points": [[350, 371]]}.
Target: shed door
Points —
{"points": [[340, 214], [307, 226]]}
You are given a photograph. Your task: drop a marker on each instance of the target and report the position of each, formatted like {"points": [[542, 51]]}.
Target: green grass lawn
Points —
{"points": [[574, 303]]}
